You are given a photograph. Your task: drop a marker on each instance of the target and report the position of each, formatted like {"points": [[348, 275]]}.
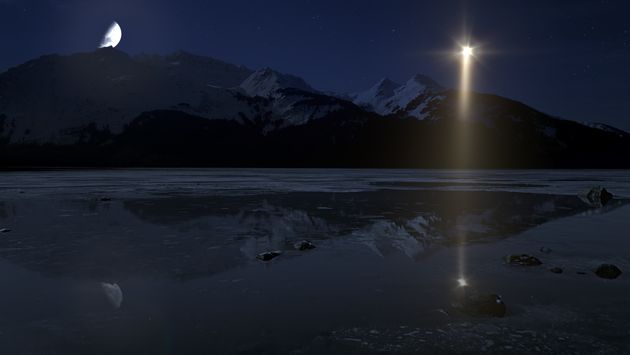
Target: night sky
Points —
{"points": [[567, 58]]}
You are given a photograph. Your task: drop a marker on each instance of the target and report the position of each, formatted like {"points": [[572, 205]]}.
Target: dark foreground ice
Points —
{"points": [[165, 262]]}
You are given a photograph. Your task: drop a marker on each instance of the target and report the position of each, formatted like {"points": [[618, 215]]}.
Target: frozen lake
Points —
{"points": [[164, 261]]}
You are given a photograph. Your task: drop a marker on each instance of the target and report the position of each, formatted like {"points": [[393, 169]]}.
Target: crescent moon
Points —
{"points": [[112, 36]]}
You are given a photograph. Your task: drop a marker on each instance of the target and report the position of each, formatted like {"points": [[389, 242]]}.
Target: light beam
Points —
{"points": [[463, 144], [464, 89]]}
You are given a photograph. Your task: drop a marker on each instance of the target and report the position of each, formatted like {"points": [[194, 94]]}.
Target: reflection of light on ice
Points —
{"points": [[113, 293], [461, 282]]}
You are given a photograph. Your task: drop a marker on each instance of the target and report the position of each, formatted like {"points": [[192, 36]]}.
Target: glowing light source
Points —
{"points": [[461, 282], [113, 36], [467, 51]]}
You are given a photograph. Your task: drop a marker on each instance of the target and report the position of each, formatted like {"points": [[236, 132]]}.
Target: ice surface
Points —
{"points": [[135, 182], [391, 245]]}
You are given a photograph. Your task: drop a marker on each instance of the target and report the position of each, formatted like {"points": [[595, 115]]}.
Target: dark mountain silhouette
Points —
{"points": [[106, 108]]}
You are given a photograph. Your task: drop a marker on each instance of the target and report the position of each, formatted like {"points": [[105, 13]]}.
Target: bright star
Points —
{"points": [[467, 51]]}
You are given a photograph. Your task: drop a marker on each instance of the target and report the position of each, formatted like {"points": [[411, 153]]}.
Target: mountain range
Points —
{"points": [[107, 108]]}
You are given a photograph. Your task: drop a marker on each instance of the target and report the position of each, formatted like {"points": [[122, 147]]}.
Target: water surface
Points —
{"points": [[390, 246]]}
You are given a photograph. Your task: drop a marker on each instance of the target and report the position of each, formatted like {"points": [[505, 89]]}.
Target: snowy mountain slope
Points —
{"points": [[54, 98], [187, 67], [265, 82], [291, 101], [47, 99], [291, 107], [409, 99], [606, 128], [377, 97]]}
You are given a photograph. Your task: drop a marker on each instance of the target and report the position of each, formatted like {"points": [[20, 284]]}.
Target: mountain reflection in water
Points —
{"points": [[186, 237]]}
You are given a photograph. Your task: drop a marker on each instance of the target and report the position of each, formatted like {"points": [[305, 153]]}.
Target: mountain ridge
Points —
{"points": [[101, 99]]}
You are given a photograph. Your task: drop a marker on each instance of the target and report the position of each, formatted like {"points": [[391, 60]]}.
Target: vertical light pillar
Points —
{"points": [[463, 147]]}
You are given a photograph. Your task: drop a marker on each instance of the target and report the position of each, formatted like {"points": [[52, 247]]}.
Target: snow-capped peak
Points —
{"points": [[387, 97], [385, 87], [377, 96], [265, 82]]}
